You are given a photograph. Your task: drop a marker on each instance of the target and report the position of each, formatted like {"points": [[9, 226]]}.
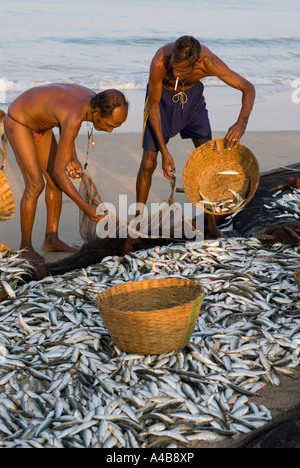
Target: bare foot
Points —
{"points": [[215, 234], [56, 245], [33, 257]]}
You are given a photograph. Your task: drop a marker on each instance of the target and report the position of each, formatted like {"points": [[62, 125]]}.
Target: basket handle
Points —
{"points": [[220, 144]]}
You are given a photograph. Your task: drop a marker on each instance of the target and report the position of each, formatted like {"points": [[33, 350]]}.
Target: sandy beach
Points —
{"points": [[114, 166]]}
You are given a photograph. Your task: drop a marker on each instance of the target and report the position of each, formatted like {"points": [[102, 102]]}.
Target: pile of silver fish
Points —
{"points": [[63, 383], [285, 205]]}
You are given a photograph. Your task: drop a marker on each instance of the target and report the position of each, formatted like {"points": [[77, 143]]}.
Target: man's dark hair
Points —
{"points": [[107, 101], [186, 48]]}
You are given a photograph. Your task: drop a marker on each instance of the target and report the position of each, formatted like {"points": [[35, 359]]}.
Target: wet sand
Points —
{"points": [[114, 166]]}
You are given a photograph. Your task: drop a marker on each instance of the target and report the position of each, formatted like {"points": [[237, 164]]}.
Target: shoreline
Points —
{"points": [[114, 166], [277, 112]]}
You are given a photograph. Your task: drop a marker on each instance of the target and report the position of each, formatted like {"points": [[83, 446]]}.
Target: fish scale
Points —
{"points": [[58, 350]]}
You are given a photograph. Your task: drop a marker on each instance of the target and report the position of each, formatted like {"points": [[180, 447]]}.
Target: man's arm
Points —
{"points": [[157, 73], [217, 68], [64, 157]]}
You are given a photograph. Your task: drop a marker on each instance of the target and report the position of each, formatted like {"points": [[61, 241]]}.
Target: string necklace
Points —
{"points": [[180, 96], [91, 142]]}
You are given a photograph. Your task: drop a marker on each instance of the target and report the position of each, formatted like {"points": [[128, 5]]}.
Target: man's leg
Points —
{"points": [[22, 142], [199, 141], [47, 148], [144, 178], [212, 228]]}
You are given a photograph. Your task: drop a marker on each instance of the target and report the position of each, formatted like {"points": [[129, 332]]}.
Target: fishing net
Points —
{"points": [[168, 221]]}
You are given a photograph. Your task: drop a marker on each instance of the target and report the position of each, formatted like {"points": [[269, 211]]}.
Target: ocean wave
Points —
{"points": [[10, 89], [6, 86], [160, 39]]}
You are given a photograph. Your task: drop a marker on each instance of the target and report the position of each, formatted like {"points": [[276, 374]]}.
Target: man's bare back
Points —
{"points": [[45, 107]]}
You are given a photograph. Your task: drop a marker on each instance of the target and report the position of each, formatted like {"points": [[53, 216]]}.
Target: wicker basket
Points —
{"points": [[7, 201], [201, 174], [151, 316], [4, 249], [297, 278]]}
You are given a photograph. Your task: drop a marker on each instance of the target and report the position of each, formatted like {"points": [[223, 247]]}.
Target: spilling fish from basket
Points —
{"points": [[222, 206], [63, 383]]}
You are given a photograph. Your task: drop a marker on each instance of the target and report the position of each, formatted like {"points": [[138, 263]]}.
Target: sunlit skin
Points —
{"points": [[41, 109], [164, 72]]}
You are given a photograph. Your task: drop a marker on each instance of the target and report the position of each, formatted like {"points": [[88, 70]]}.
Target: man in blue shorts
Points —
{"points": [[175, 104]]}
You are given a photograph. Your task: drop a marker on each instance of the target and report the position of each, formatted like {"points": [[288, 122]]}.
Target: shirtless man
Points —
{"points": [[28, 125], [175, 103]]}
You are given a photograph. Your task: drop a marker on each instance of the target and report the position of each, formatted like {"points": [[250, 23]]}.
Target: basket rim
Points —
{"points": [[4, 248], [10, 213], [181, 281]]}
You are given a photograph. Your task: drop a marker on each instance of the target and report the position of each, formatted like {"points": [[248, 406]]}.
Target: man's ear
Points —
{"points": [[97, 111]]}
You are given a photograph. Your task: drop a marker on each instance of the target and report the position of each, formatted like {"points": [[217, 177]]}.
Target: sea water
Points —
{"points": [[110, 44]]}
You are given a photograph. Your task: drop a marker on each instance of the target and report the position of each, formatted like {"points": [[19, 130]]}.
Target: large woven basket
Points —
{"points": [[201, 174], [151, 316], [7, 201]]}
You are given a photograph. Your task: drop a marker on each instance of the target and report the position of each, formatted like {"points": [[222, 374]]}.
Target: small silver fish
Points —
{"points": [[228, 173]]}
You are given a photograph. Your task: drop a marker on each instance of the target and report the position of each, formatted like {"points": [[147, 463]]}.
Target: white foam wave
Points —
{"points": [[10, 90], [6, 86], [122, 85]]}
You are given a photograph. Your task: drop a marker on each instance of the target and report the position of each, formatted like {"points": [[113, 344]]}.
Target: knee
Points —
{"points": [[35, 188], [149, 162]]}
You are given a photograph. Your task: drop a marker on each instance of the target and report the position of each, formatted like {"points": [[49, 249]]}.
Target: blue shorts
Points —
{"points": [[190, 120]]}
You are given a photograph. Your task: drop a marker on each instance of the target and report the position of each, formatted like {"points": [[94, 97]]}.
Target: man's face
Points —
{"points": [[182, 70], [108, 124]]}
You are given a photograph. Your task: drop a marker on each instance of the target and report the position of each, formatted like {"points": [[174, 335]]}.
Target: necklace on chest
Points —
{"points": [[181, 95]]}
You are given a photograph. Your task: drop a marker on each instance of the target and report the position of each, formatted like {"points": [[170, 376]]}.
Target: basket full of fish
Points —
{"points": [[220, 180], [151, 316]]}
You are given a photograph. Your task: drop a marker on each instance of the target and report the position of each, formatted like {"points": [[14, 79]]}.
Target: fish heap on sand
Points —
{"points": [[63, 383], [286, 205]]}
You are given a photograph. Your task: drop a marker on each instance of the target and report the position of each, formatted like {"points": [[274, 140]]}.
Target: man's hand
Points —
{"points": [[91, 212], [74, 169], [168, 166], [235, 133]]}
